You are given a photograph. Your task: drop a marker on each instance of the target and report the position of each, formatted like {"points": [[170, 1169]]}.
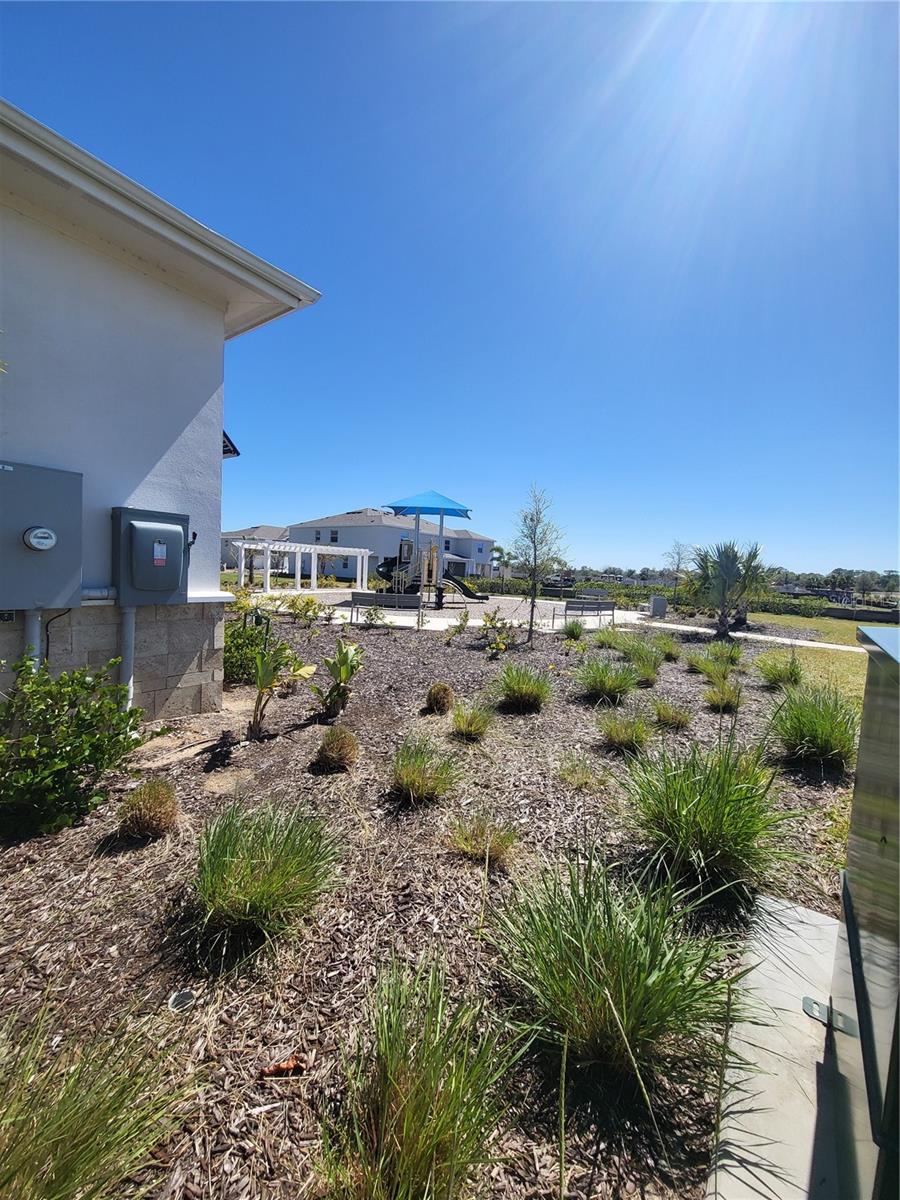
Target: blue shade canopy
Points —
{"points": [[432, 503]]}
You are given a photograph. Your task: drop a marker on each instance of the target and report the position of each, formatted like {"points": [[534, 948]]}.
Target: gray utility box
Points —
{"points": [[150, 553], [40, 537]]}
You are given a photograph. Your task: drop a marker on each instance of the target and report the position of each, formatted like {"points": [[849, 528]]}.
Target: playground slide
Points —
{"points": [[385, 571], [460, 585]]}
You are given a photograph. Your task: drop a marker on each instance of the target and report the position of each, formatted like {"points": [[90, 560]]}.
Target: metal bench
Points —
{"points": [[585, 607], [361, 600]]}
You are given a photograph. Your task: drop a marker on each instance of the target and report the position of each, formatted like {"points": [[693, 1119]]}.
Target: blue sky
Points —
{"points": [[644, 256]]}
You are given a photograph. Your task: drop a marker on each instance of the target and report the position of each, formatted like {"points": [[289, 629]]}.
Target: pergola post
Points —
{"points": [[298, 570], [240, 566], [314, 571], [267, 569]]}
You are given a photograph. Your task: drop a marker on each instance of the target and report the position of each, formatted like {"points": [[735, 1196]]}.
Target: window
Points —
{"points": [[318, 536], [333, 536], [446, 543], [479, 549], [345, 563]]}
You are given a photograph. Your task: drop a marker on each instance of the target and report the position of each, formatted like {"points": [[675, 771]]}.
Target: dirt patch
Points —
{"points": [[84, 920]]}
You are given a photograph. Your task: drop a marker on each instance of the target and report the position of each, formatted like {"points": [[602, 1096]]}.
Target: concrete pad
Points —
{"points": [[773, 1141]]}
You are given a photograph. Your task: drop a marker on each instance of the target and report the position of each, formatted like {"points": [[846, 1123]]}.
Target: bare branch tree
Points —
{"points": [[537, 546], [676, 558]]}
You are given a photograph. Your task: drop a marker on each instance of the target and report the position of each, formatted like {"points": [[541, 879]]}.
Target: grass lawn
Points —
{"points": [[845, 671], [829, 629]]}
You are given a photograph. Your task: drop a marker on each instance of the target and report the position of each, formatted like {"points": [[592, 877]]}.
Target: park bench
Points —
{"points": [[585, 606], [362, 600]]}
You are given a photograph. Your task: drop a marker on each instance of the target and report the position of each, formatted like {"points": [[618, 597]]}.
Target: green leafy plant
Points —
{"points": [[577, 771], [273, 668], [817, 723], [242, 644], [573, 630], [458, 627], [373, 617], [780, 670], [626, 732], [668, 646], [522, 689], [498, 632], [422, 772], [149, 811], [471, 722], [709, 816], [611, 971], [723, 696], [305, 610], [669, 715], [75, 1122], [348, 658], [58, 739], [439, 698], [338, 750], [483, 840], [258, 872], [605, 682], [422, 1098]]}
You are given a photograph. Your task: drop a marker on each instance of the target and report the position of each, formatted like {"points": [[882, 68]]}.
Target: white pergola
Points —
{"points": [[298, 549]]}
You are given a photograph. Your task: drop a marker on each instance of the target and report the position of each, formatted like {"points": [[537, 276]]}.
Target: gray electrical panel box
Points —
{"points": [[150, 555], [40, 537]]}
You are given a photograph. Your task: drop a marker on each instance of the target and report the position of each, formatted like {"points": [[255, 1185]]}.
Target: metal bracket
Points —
{"points": [[830, 1016]]}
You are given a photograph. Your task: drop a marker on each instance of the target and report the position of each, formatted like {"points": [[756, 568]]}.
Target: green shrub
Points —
{"points": [[439, 698], [348, 658], [780, 670], [471, 723], [576, 770], [76, 1122], [422, 1096], [498, 632], [150, 811], [725, 652], [523, 689], [668, 646], [611, 971], [422, 773], [479, 838], [671, 716], [605, 682], [796, 606], [625, 732], [709, 815], [304, 609], [817, 724], [258, 871], [339, 749], [58, 738], [723, 696], [573, 630], [609, 638], [242, 644]]}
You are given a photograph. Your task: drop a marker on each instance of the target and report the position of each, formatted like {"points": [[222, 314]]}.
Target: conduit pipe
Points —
{"points": [[33, 635], [126, 667]]}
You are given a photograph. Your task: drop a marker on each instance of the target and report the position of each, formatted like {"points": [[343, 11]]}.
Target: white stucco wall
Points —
{"points": [[113, 373]]}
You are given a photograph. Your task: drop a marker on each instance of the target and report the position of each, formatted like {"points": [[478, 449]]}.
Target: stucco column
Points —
{"points": [[267, 569], [240, 566]]}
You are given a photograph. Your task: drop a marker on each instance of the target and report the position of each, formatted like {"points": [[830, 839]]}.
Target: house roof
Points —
{"points": [[374, 516], [117, 214], [271, 533]]}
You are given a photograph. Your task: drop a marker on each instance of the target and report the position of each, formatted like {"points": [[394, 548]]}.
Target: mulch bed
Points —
{"points": [[84, 918]]}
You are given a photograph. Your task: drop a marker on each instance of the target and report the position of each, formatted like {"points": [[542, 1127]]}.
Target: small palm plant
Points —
{"points": [[727, 579], [273, 667], [342, 668]]}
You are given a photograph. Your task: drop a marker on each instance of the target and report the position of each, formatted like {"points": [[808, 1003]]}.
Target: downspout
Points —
{"points": [[33, 635], [126, 667]]}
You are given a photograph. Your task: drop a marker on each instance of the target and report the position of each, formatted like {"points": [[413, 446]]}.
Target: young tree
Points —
{"points": [[537, 546], [676, 559], [728, 578]]}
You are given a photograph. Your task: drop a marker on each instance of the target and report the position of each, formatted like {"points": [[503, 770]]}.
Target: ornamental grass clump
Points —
{"points": [[471, 721], [723, 696], [817, 724], [76, 1122], [483, 840], [439, 698], [150, 811], [626, 732], [522, 689], [668, 646], [258, 872], [604, 682], [725, 652], [609, 638], [715, 670], [646, 659], [573, 630], [610, 971], [422, 773], [780, 670], [338, 750], [669, 715], [708, 816], [577, 771]]}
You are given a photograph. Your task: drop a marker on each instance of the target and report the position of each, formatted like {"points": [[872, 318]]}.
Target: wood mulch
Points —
{"points": [[84, 918]]}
